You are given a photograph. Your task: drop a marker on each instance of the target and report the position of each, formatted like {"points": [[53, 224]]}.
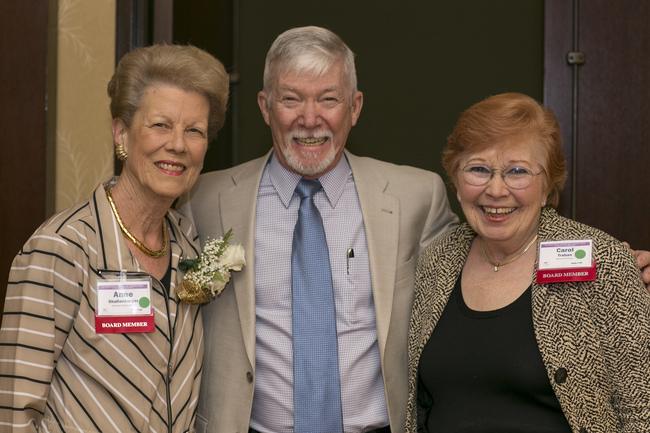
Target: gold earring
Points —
{"points": [[120, 153]]}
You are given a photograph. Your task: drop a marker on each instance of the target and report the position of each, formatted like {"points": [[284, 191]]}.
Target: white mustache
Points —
{"points": [[301, 134]]}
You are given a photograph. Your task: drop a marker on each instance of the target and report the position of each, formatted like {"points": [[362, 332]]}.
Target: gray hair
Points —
{"points": [[305, 49]]}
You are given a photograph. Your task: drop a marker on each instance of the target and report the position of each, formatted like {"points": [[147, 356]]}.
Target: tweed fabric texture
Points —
{"points": [[594, 336]]}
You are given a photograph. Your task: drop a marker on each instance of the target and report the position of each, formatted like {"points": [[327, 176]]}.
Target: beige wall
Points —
{"points": [[86, 61]]}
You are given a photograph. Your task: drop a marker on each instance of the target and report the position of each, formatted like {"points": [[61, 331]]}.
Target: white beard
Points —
{"points": [[305, 163]]}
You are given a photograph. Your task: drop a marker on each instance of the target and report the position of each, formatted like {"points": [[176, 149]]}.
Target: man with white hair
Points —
{"points": [[376, 216]]}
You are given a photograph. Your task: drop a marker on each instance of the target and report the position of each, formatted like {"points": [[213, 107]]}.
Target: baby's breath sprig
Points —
{"points": [[208, 274]]}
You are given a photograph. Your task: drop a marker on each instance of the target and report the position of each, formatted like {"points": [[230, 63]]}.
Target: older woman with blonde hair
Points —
{"points": [[94, 337], [491, 346]]}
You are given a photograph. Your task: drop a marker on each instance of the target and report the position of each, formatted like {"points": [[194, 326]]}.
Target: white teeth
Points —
{"points": [[316, 141], [170, 167], [501, 210]]}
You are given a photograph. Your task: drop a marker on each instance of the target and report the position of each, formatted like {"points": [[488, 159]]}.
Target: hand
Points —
{"points": [[643, 260]]}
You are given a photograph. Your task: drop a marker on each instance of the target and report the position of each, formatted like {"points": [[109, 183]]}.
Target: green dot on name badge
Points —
{"points": [[580, 254], [144, 302]]}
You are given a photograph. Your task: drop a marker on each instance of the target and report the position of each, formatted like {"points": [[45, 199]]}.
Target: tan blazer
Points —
{"points": [[403, 208]]}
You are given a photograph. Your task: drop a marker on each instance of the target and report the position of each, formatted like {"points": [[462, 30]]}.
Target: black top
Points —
{"points": [[481, 371]]}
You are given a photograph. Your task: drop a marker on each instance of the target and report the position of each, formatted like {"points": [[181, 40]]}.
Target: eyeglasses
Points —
{"points": [[513, 177]]}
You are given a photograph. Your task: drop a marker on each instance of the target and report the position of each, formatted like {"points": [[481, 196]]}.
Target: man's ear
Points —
{"points": [[263, 101], [357, 103]]}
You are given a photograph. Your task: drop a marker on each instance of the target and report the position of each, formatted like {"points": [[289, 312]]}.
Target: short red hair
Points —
{"points": [[500, 119]]}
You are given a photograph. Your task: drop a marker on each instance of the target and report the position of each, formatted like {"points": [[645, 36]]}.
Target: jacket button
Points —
{"points": [[249, 377], [560, 375], [583, 430]]}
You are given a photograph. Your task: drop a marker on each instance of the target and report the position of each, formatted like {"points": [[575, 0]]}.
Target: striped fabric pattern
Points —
{"points": [[56, 373], [594, 336]]}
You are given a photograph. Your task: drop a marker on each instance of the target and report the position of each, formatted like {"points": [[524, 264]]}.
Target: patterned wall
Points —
{"points": [[86, 61]]}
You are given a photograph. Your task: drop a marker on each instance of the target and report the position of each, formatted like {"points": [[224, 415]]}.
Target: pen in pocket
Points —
{"points": [[350, 256]]}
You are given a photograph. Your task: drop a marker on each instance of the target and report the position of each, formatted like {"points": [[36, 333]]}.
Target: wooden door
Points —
{"points": [[604, 107], [23, 121]]}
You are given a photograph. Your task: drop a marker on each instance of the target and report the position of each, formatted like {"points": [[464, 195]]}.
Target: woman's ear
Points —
{"points": [[118, 128]]}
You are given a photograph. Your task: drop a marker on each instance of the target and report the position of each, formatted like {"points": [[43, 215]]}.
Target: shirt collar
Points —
{"points": [[285, 181]]}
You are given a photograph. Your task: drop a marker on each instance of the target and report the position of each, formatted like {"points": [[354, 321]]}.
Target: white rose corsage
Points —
{"points": [[208, 274]]}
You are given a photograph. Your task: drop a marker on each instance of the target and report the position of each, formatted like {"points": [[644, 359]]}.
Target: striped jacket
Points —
{"points": [[594, 336], [56, 373]]}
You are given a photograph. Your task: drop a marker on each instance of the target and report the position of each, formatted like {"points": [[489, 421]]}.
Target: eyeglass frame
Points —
{"points": [[503, 174]]}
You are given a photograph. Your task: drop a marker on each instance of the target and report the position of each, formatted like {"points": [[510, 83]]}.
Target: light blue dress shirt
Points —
{"points": [[362, 388]]}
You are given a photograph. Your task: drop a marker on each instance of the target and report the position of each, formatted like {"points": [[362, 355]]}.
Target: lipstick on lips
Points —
{"points": [[497, 213], [171, 168]]}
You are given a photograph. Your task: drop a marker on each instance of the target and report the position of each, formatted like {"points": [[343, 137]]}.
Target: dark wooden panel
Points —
{"points": [[612, 113], [614, 119], [131, 26], [558, 78], [23, 73]]}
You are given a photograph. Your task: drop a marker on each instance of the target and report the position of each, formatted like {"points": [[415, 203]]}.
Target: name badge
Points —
{"points": [[124, 304], [561, 261]]}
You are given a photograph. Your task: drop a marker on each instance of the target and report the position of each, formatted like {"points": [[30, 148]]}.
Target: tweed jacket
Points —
{"points": [[56, 373], [594, 336], [403, 209]]}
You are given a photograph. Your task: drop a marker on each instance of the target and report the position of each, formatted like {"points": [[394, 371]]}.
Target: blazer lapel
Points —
{"points": [[381, 220], [238, 205]]}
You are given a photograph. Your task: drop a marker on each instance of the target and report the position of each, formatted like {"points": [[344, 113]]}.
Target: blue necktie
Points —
{"points": [[316, 389]]}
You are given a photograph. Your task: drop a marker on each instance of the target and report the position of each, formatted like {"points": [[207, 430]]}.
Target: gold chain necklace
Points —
{"points": [[497, 264], [140, 245]]}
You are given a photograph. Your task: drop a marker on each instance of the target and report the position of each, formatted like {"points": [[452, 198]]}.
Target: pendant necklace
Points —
{"points": [[497, 264]]}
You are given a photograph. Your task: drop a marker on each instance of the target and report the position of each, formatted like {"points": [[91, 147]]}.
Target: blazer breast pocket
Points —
{"points": [[405, 273], [201, 424]]}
